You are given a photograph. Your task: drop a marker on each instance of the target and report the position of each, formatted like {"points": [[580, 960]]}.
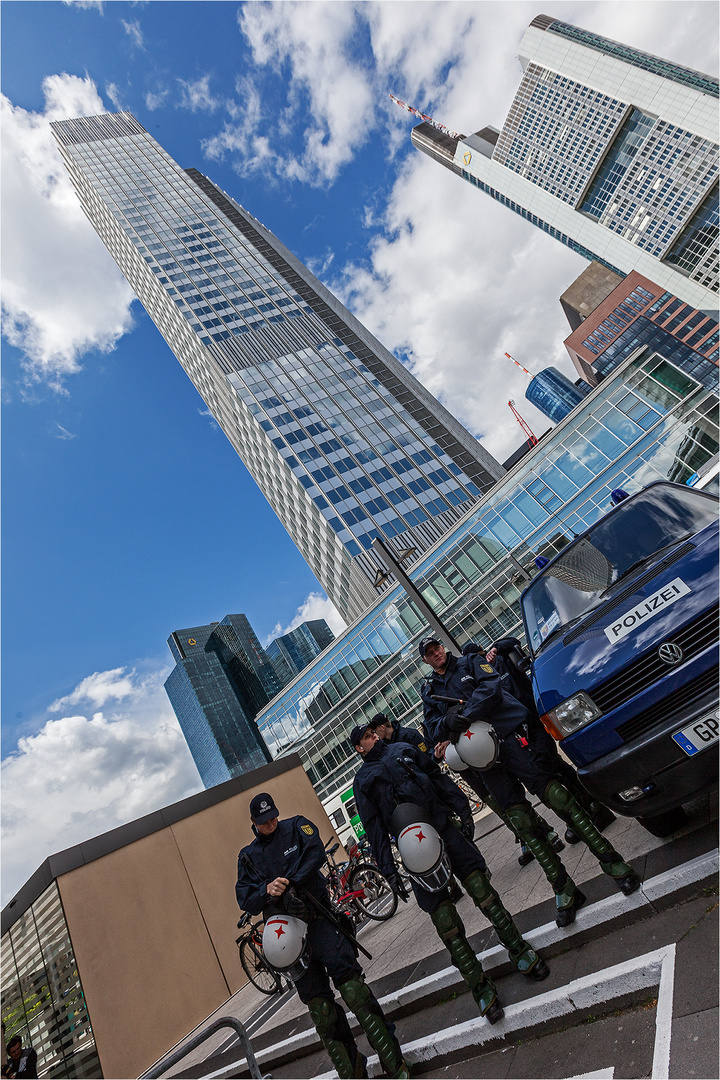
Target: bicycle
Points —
{"points": [[359, 888], [252, 957]]}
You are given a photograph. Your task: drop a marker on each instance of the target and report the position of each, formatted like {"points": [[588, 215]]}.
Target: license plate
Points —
{"points": [[698, 736]]}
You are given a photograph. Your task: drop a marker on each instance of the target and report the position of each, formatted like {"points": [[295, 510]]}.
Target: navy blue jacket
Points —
{"points": [[381, 784], [412, 736], [294, 851], [480, 686]]}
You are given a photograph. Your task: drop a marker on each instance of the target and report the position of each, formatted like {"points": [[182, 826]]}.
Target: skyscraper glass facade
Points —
{"points": [[553, 394], [222, 679], [611, 151], [648, 421], [292, 652], [42, 995], [638, 312], [341, 439]]}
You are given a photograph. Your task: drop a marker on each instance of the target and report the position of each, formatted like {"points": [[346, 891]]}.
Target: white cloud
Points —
{"points": [[132, 29], [96, 5], [315, 606], [85, 773], [62, 293], [196, 95], [114, 94], [155, 100], [63, 433]]}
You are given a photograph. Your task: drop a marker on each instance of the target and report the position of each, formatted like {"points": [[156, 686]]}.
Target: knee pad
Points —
{"points": [[521, 818], [323, 1015], [557, 796], [446, 920], [478, 888], [355, 993]]}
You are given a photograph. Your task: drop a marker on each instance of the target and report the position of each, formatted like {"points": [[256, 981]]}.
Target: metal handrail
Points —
{"points": [[177, 1055]]}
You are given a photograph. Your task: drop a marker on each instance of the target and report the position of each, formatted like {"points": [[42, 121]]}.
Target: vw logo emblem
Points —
{"points": [[670, 653]]}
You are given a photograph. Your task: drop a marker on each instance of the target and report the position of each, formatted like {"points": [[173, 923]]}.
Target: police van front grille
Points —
{"points": [[647, 669], [698, 691]]}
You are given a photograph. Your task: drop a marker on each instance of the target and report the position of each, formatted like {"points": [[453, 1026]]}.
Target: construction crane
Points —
{"points": [[427, 119], [518, 364], [531, 438]]}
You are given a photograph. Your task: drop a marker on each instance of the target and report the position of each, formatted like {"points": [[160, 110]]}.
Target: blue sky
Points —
{"points": [[126, 513]]}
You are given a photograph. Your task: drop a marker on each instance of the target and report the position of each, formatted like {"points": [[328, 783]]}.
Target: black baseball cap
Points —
{"points": [[357, 733], [429, 640], [262, 808], [378, 719]]}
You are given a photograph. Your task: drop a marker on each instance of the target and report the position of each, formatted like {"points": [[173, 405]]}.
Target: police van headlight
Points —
{"points": [[571, 715]]}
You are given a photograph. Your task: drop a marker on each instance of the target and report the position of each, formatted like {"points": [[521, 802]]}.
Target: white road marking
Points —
{"points": [[596, 914], [601, 1074]]}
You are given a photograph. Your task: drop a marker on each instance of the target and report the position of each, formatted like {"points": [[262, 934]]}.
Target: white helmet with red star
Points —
{"points": [[285, 945], [421, 848], [478, 746], [453, 759]]}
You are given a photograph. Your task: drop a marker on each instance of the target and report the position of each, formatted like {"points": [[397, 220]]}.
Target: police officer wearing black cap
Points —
{"points": [[479, 689], [399, 775], [275, 872]]}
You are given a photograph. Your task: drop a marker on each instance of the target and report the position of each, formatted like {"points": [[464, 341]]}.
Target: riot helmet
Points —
{"points": [[421, 847], [285, 945], [478, 746]]}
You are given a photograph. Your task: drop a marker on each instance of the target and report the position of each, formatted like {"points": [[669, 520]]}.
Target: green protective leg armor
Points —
{"points": [[558, 798], [450, 927], [526, 825], [334, 1031], [486, 898], [360, 999]]}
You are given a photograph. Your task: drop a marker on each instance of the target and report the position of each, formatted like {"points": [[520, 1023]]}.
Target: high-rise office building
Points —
{"points": [[344, 443], [640, 312], [221, 681], [553, 394], [292, 652], [609, 150]]}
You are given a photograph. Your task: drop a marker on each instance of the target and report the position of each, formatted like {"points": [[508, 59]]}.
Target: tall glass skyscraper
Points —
{"points": [[344, 443], [221, 681], [553, 394], [608, 149], [292, 652]]}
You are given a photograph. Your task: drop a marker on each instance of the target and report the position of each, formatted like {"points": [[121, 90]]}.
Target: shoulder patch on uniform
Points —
{"points": [[308, 829], [423, 747], [489, 668]]}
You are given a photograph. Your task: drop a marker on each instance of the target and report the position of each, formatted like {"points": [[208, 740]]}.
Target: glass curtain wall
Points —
{"points": [[42, 995], [649, 422]]}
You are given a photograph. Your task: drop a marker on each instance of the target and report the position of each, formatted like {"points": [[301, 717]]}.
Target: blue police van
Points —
{"points": [[622, 626]]}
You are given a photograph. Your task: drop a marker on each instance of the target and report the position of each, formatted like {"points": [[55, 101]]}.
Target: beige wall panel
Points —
{"points": [[146, 962], [209, 843]]}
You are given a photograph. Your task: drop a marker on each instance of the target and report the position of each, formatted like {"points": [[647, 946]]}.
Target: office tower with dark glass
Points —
{"points": [[221, 680], [609, 150], [344, 443], [292, 652]]}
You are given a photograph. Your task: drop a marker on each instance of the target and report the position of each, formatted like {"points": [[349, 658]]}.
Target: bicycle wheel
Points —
{"points": [[256, 969], [377, 901]]}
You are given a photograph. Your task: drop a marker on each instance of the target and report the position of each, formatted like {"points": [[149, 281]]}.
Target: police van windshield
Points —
{"points": [[620, 543]]}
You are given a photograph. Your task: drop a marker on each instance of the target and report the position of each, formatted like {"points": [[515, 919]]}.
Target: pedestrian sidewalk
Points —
{"points": [[406, 949]]}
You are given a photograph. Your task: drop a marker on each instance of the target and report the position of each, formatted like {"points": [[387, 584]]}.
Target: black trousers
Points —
{"points": [[331, 956], [522, 767], [464, 859]]}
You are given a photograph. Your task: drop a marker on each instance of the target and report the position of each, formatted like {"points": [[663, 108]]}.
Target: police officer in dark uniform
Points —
{"points": [[479, 688], [275, 872], [392, 775], [506, 657]]}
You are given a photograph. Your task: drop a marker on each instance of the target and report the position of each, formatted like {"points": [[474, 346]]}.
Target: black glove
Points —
{"points": [[398, 886], [455, 723], [294, 905], [467, 827]]}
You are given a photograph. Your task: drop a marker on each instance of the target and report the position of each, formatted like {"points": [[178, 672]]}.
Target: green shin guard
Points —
{"points": [[332, 1027], [360, 999], [486, 898], [526, 825], [558, 797], [450, 927]]}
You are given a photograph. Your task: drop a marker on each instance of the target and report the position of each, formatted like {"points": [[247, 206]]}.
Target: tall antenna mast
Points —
{"points": [[519, 365], [427, 119]]}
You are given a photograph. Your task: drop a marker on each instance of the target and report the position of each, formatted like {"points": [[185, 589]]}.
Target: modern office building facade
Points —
{"points": [[611, 151], [221, 680], [640, 312], [344, 443], [292, 652], [553, 394], [648, 420]]}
